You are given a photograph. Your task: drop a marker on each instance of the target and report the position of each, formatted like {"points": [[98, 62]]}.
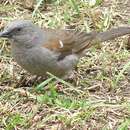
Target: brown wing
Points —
{"points": [[67, 42], [83, 41]]}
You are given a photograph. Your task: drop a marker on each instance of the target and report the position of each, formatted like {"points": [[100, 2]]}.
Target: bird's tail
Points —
{"points": [[84, 41], [111, 34]]}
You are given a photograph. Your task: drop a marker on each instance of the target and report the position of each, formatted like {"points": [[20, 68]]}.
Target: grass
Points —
{"points": [[39, 2], [99, 97]]}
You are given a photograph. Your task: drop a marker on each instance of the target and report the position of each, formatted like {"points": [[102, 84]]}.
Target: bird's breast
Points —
{"points": [[35, 60], [22, 57]]}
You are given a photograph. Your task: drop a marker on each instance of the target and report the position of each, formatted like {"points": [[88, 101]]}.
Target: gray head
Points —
{"points": [[21, 31]]}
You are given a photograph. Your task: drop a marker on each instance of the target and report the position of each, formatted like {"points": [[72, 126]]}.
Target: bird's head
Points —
{"points": [[22, 32]]}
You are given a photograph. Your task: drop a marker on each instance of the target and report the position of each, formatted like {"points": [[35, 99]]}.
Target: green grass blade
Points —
{"points": [[65, 83], [41, 85], [74, 5], [124, 125], [122, 71], [36, 8]]}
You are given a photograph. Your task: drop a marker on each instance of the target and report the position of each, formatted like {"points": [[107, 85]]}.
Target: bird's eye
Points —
{"points": [[19, 29]]}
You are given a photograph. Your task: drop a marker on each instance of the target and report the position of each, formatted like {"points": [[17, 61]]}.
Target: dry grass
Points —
{"points": [[99, 99]]}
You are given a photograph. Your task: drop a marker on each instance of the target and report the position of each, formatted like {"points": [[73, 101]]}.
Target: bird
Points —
{"points": [[57, 51]]}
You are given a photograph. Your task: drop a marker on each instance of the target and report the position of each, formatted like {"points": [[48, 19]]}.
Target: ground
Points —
{"points": [[99, 96]]}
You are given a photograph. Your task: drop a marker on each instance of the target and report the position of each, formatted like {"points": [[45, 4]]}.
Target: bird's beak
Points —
{"points": [[4, 34]]}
